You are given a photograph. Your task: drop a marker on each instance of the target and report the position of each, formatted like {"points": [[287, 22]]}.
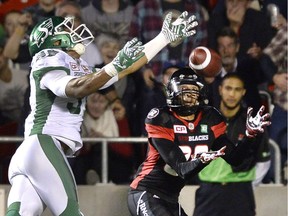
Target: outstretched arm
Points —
{"points": [[133, 56]]}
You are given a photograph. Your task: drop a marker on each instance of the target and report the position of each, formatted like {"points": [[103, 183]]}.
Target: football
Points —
{"points": [[205, 61]]}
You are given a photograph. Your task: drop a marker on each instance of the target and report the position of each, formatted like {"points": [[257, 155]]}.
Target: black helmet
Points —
{"points": [[174, 91]]}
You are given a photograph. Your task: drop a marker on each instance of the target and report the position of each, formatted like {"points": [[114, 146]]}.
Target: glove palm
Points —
{"points": [[181, 28], [129, 54], [255, 125]]}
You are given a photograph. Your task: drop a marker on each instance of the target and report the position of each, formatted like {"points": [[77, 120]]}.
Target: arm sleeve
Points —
{"points": [[56, 81], [174, 157], [235, 154]]}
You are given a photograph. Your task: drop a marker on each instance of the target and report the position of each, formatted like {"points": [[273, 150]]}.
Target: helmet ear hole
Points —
{"points": [[57, 43]]}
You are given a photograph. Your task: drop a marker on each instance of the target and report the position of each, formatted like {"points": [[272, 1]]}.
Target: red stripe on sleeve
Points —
{"points": [[219, 129], [147, 167], [160, 132]]}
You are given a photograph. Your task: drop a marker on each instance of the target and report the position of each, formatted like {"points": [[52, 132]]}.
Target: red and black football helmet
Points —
{"points": [[175, 92]]}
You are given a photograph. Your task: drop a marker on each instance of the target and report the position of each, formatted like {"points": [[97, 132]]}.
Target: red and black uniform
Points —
{"points": [[172, 144]]}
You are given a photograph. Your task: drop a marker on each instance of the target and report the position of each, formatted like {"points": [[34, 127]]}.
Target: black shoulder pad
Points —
{"points": [[159, 116]]}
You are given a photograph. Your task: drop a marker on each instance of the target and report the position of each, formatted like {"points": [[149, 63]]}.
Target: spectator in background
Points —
{"points": [[41, 11], [112, 17], [109, 45], [274, 63], [70, 8], [13, 84], [16, 47], [227, 190], [30, 17], [249, 24], [99, 121], [248, 68], [146, 22]]}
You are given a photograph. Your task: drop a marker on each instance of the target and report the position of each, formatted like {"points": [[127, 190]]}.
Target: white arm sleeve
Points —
{"points": [[154, 46], [56, 81]]}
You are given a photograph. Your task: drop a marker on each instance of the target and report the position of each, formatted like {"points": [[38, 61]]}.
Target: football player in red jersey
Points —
{"points": [[183, 138]]}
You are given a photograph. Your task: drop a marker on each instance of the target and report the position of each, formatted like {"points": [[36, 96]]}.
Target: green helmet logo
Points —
{"points": [[58, 33], [45, 29]]}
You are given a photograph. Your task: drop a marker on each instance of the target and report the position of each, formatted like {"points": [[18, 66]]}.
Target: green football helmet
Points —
{"points": [[60, 33]]}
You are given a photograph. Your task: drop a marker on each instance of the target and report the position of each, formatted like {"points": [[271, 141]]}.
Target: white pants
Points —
{"points": [[41, 176]]}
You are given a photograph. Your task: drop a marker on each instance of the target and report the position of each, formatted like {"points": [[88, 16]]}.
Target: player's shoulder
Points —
{"points": [[50, 58], [212, 114], [159, 116]]}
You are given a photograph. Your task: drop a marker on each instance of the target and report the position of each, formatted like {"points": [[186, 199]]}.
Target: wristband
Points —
{"points": [[110, 69]]}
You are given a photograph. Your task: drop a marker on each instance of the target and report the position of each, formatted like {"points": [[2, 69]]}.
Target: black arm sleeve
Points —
{"points": [[174, 157], [234, 154]]}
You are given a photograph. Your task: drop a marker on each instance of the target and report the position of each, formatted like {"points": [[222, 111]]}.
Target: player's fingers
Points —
{"points": [[265, 117], [191, 26], [265, 123], [183, 15], [249, 111], [168, 18], [191, 18], [261, 110]]}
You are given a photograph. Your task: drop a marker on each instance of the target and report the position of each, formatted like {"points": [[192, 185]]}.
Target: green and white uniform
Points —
{"points": [[54, 120]]}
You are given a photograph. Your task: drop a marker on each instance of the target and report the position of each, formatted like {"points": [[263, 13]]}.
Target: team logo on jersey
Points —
{"points": [[204, 128], [85, 68], [191, 126], [74, 66], [153, 113], [180, 129]]}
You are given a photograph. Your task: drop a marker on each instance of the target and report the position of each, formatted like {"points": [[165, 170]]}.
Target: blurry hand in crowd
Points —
{"points": [[148, 77], [281, 21], [255, 51], [236, 11], [281, 80]]}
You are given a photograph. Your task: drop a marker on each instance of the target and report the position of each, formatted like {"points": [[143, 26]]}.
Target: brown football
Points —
{"points": [[205, 61]]}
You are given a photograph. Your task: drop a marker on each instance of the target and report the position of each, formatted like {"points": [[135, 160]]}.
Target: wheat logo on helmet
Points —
{"points": [[59, 33]]}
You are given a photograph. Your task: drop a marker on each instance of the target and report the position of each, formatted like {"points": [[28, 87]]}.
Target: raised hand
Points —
{"points": [[255, 125], [130, 53], [182, 27]]}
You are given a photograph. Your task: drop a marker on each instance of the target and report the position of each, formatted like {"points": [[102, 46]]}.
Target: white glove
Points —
{"points": [[256, 125], [129, 54], [207, 157], [180, 28]]}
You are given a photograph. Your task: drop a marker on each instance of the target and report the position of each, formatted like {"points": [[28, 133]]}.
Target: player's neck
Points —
{"points": [[73, 54], [188, 118]]}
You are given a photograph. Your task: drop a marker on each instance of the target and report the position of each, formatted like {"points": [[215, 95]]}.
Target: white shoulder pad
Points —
{"points": [[50, 58]]}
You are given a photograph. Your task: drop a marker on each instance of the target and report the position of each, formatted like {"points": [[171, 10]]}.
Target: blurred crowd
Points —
{"points": [[249, 35]]}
